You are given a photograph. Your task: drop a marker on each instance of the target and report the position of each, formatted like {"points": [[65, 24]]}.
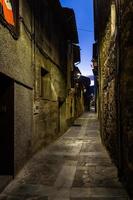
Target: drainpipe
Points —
{"points": [[33, 47]]}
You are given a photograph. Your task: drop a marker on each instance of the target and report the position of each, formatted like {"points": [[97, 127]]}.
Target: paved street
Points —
{"points": [[75, 167]]}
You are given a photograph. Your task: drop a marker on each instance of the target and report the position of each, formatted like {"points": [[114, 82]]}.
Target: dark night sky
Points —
{"points": [[84, 17]]}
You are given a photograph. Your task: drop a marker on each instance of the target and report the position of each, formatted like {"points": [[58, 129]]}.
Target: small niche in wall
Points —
{"points": [[113, 19]]}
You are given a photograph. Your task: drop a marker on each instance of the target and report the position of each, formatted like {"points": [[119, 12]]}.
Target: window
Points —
{"points": [[113, 19], [9, 15], [45, 84]]}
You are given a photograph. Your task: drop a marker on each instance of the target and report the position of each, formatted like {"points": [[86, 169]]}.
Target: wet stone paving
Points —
{"points": [[74, 167]]}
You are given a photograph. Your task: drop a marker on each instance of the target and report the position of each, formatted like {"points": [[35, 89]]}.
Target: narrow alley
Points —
{"points": [[58, 60], [74, 167]]}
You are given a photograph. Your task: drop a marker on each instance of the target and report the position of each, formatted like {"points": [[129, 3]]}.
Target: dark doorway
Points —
{"points": [[6, 125]]}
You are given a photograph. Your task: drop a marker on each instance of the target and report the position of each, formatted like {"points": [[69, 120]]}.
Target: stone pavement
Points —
{"points": [[75, 167]]}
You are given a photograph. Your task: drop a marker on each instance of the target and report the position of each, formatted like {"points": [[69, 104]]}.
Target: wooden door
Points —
{"points": [[6, 126]]}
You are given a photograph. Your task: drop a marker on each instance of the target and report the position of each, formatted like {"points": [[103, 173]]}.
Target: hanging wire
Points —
{"points": [[80, 29]]}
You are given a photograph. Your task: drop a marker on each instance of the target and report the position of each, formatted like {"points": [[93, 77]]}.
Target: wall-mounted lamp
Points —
{"points": [[95, 63], [78, 75]]}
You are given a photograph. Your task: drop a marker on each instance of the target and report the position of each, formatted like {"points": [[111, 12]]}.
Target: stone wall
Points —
{"points": [[108, 91], [49, 120], [36, 63], [53, 59], [15, 62], [23, 125], [15, 55], [116, 92], [38, 118], [126, 91], [48, 123]]}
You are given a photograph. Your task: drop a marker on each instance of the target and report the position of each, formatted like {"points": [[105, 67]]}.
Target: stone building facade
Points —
{"points": [[73, 57], [78, 92], [16, 90], [34, 71], [113, 35]]}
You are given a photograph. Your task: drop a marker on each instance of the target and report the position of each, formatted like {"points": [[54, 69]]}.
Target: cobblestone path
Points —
{"points": [[75, 167]]}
